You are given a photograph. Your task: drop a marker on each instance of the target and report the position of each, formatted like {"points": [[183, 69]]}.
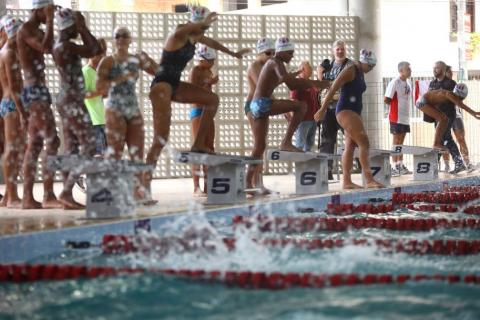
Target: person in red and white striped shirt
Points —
{"points": [[398, 95]]}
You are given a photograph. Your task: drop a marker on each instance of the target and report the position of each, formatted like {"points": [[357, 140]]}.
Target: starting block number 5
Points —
{"points": [[220, 185]]}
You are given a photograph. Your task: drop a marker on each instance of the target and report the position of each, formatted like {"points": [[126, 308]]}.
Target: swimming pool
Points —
{"points": [[161, 295]]}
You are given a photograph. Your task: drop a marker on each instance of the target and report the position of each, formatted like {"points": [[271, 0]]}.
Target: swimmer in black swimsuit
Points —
{"points": [[166, 87]]}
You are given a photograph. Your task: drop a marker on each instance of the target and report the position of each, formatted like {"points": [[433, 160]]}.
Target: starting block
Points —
{"points": [[425, 161], [110, 183], [379, 164], [226, 175], [311, 169]]}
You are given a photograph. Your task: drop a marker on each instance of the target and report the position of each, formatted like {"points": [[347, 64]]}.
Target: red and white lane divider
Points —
{"points": [[18, 273], [121, 244], [313, 224], [345, 209], [445, 197]]}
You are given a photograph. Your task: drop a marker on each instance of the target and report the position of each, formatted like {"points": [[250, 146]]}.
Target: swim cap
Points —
{"points": [[368, 57], [3, 20], [11, 26], [205, 53], [64, 18], [265, 44], [198, 14], [39, 4], [461, 90], [284, 44]]}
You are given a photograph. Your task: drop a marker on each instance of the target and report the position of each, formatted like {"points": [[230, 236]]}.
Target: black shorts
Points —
{"points": [[398, 128]]}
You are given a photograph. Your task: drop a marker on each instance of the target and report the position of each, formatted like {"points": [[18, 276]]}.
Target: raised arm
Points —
{"points": [[90, 47], [45, 44], [209, 42]]}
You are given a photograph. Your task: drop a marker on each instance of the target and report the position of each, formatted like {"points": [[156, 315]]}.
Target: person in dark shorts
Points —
{"points": [[398, 96]]}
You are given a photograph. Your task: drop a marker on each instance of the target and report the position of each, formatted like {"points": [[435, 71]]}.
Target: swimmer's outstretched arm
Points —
{"points": [[147, 64], [457, 101], [214, 44]]}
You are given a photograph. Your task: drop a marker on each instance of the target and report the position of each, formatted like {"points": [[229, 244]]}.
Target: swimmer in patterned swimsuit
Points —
{"points": [[117, 75], [348, 112], [13, 114], [77, 127], [32, 44], [179, 49]]}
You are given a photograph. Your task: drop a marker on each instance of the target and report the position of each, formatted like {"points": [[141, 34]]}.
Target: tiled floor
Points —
{"points": [[173, 195]]}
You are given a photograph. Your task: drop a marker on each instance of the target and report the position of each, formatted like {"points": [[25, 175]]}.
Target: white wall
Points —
{"points": [[418, 32]]}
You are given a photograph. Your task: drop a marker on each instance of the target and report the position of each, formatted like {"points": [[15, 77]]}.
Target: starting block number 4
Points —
{"points": [[425, 161]]}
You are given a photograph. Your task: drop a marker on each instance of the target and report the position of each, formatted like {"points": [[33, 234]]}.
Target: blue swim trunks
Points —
{"points": [[195, 112], [35, 93], [260, 107], [247, 106], [6, 106]]}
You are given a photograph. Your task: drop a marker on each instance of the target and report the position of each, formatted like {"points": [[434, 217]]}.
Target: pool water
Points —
{"points": [[156, 296]]}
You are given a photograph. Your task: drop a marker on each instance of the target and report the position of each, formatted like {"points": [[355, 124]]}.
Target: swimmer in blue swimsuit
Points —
{"points": [[117, 75], [202, 76], [179, 49], [262, 107], [348, 112], [12, 112]]}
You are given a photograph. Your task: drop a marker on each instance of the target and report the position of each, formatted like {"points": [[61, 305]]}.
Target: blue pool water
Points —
{"points": [[156, 296]]}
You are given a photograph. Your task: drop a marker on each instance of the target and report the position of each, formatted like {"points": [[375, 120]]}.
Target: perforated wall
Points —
{"points": [[313, 37]]}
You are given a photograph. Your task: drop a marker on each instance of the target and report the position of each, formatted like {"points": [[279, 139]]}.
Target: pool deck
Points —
{"points": [[173, 195]]}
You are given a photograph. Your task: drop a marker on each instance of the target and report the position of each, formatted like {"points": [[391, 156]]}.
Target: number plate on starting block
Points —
{"points": [[425, 161], [226, 175], [311, 169]]}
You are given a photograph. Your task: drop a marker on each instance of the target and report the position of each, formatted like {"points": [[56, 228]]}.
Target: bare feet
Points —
{"points": [[143, 197], [31, 204], [374, 185], [14, 204], [351, 186], [198, 193], [68, 203], [51, 203], [289, 147]]}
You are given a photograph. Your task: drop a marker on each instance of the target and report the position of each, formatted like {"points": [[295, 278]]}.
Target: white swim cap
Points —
{"points": [[11, 26], [461, 90], [284, 44], [39, 4], [64, 18], [3, 20], [368, 57], [205, 53], [265, 44], [198, 14]]}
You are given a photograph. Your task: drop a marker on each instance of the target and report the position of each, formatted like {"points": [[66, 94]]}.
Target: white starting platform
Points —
{"points": [[226, 175], [379, 164], [110, 183], [311, 169], [425, 161]]}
